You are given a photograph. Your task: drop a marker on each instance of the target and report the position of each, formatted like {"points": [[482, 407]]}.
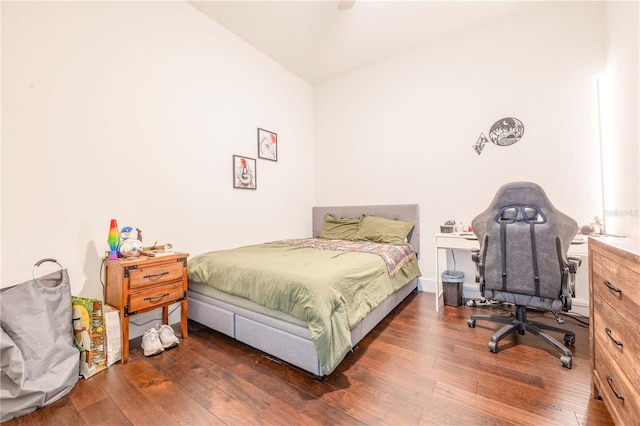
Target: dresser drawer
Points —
{"points": [[620, 342], [146, 276], [611, 381], [614, 284], [618, 286], [154, 296]]}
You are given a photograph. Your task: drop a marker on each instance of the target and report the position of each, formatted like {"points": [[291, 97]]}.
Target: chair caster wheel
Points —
{"points": [[566, 361], [471, 323], [569, 339], [493, 346]]}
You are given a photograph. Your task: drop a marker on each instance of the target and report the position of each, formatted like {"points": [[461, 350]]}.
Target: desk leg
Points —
{"points": [[125, 338], [183, 318], [439, 299], [437, 278]]}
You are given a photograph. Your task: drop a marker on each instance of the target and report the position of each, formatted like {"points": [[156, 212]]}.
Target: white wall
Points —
{"points": [[402, 129], [620, 93], [133, 110]]}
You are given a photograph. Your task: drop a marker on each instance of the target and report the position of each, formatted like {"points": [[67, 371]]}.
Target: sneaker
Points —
{"points": [[151, 344], [167, 336]]}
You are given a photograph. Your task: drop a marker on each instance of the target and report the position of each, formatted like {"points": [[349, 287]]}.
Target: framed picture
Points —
{"points": [[267, 145], [244, 172]]}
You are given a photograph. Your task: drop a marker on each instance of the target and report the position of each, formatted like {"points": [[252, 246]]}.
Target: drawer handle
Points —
{"points": [[156, 275], [153, 298], [608, 284], [608, 331], [610, 380]]}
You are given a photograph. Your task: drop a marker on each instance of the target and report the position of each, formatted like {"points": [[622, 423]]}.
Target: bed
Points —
{"points": [[295, 336]]}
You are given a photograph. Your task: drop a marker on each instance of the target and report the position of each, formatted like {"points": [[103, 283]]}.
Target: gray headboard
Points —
{"points": [[406, 212]]}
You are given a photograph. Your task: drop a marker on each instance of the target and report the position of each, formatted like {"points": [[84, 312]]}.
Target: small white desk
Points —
{"points": [[468, 242]]}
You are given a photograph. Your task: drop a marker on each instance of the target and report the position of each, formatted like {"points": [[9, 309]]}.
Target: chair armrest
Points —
{"points": [[569, 286], [574, 262], [475, 256]]}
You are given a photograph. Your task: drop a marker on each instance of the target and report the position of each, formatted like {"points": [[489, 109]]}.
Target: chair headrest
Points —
{"points": [[524, 202], [522, 194]]}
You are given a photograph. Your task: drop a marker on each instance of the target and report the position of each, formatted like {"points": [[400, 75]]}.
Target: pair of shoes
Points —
{"points": [[157, 339], [151, 344], [167, 337]]}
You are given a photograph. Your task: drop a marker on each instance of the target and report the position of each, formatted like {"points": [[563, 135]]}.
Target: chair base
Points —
{"points": [[520, 324]]}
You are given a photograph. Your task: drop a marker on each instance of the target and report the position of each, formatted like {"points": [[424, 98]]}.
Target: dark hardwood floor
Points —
{"points": [[414, 368]]}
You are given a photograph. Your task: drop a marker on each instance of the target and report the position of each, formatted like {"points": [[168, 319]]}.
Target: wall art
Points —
{"points": [[267, 145], [506, 131], [479, 146], [503, 132], [244, 172]]}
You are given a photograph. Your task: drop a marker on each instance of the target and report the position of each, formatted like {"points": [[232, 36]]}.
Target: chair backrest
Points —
{"points": [[524, 241]]}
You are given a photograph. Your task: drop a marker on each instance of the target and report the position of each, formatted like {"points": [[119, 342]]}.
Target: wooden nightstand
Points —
{"points": [[142, 284]]}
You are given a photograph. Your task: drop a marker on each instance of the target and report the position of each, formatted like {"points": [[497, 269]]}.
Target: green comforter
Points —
{"points": [[331, 290]]}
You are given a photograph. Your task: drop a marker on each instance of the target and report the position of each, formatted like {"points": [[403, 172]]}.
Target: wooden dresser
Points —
{"points": [[614, 287]]}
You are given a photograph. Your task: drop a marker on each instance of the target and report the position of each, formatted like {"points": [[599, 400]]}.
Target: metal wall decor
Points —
{"points": [[479, 146], [504, 132]]}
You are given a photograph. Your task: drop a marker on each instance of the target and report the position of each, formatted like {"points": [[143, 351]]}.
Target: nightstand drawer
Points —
{"points": [[151, 297], [157, 274]]}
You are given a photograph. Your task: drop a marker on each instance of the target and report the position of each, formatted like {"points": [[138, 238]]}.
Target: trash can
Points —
{"points": [[452, 282]]}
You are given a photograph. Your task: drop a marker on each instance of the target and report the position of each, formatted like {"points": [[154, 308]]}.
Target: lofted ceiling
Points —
{"points": [[317, 41]]}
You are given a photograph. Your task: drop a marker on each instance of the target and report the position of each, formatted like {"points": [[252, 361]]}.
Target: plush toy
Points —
{"points": [[81, 332]]}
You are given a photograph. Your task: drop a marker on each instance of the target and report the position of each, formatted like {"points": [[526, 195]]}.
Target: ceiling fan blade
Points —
{"points": [[345, 4]]}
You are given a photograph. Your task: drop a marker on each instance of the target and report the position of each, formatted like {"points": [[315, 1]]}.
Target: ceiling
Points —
{"points": [[317, 41]]}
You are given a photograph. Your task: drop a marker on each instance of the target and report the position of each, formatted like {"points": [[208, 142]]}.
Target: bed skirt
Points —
{"points": [[275, 333]]}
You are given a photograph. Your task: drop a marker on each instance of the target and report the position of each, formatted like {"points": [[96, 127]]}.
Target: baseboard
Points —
{"points": [[427, 285]]}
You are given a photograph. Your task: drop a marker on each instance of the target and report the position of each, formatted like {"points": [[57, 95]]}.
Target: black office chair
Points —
{"points": [[523, 261]]}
